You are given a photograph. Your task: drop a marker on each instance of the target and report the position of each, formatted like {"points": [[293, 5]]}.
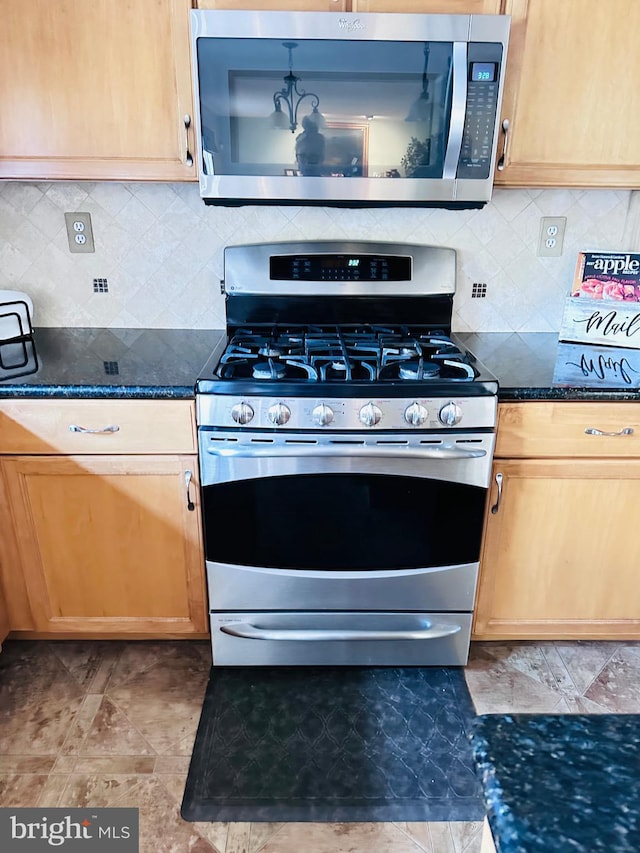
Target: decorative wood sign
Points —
{"points": [[604, 306], [585, 366], [601, 322]]}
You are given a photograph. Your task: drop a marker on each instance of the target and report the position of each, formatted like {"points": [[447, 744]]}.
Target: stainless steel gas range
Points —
{"points": [[346, 440]]}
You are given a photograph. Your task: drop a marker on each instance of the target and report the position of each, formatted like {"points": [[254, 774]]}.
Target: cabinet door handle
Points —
{"points": [[110, 428], [505, 131], [594, 431], [187, 481], [187, 124], [496, 506]]}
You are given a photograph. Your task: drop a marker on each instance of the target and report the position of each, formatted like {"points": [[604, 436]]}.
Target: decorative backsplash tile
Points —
{"points": [[160, 250]]}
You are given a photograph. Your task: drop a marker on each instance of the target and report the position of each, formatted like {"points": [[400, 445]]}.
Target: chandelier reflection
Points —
{"points": [[422, 108], [290, 97]]}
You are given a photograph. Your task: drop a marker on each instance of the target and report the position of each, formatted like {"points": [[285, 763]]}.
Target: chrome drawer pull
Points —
{"points": [[496, 506], [594, 431], [110, 428], [253, 632]]}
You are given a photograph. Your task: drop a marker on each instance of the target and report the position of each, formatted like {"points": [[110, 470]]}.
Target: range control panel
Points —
{"points": [[303, 413]]}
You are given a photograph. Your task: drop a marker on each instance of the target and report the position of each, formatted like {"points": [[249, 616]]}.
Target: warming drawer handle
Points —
{"points": [[349, 450], [594, 431], [247, 631], [110, 428]]}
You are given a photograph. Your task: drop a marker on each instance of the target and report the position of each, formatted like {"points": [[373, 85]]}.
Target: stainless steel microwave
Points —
{"points": [[347, 109]]}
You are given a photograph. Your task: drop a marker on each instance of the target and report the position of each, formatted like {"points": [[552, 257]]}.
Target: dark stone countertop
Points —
{"points": [[526, 366], [136, 363], [560, 783], [161, 363]]}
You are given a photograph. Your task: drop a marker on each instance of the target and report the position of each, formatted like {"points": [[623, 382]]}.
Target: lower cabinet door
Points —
{"points": [[108, 545], [4, 619], [561, 551]]}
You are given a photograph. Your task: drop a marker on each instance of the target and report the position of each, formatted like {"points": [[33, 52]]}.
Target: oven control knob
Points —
{"points": [[415, 414], [322, 414], [450, 414], [370, 415], [242, 413], [278, 414]]}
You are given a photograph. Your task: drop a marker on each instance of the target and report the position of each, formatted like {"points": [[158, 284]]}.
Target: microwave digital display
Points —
{"points": [[484, 72], [339, 268]]}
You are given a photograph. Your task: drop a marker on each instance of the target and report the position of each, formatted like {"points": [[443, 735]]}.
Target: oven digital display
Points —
{"points": [[340, 268]]}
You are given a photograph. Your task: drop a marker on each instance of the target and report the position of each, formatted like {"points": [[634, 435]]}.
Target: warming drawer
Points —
{"points": [[345, 638]]}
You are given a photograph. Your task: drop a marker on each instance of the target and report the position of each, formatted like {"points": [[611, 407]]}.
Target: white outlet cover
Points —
{"points": [[551, 237], [79, 232]]}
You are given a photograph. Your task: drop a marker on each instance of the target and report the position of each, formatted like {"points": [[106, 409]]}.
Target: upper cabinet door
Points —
{"points": [[96, 90], [451, 7], [572, 96]]}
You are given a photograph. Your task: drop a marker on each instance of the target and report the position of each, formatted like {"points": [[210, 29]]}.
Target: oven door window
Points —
{"points": [[346, 522], [322, 107]]}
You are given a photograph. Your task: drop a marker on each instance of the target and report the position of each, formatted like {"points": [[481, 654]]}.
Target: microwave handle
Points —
{"points": [[458, 110]]}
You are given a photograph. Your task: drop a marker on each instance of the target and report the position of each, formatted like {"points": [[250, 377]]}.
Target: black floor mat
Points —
{"points": [[334, 744]]}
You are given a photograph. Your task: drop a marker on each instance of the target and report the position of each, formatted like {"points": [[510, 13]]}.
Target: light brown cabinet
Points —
{"points": [[560, 554], [96, 90], [101, 542], [453, 7], [450, 7], [277, 5], [571, 96]]}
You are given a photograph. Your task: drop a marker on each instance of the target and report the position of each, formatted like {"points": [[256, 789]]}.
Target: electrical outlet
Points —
{"points": [[79, 232], [551, 236]]}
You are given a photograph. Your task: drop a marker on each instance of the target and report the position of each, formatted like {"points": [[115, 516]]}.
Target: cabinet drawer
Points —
{"points": [[558, 429], [51, 426]]}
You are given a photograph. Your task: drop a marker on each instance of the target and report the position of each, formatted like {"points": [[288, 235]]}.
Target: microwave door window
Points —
{"points": [[271, 107]]}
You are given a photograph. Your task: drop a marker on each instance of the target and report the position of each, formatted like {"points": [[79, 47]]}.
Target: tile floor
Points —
{"points": [[113, 723]]}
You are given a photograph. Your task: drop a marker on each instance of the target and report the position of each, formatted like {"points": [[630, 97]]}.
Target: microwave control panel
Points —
{"points": [[483, 82]]}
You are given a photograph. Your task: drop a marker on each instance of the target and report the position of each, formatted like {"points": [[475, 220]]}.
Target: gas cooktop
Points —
{"points": [[348, 356], [338, 321], [342, 354], [365, 354]]}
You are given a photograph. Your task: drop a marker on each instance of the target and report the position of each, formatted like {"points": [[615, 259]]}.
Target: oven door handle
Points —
{"points": [[247, 631], [349, 450]]}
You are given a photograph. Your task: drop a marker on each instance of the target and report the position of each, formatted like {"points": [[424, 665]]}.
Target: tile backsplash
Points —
{"points": [[159, 250]]}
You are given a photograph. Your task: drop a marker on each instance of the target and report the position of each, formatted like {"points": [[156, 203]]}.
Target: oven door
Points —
{"points": [[302, 524]]}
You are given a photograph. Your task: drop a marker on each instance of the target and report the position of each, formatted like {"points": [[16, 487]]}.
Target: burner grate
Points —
{"points": [[343, 354]]}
